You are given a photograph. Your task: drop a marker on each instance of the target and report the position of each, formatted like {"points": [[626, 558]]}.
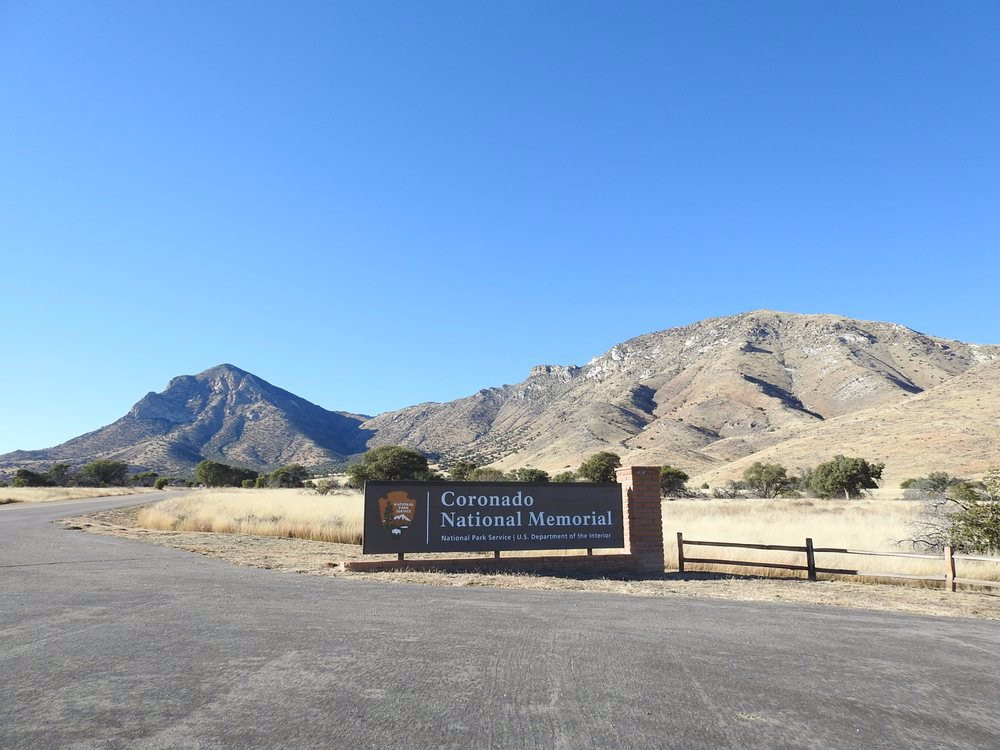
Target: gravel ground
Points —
{"points": [[323, 558]]}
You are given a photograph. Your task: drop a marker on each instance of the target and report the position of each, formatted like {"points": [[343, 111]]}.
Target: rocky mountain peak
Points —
{"points": [[224, 413], [698, 396]]}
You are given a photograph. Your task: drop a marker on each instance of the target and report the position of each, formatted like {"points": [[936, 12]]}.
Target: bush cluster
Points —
{"points": [[101, 473]]}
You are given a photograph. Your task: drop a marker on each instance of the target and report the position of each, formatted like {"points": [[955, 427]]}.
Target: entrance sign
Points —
{"points": [[483, 516]]}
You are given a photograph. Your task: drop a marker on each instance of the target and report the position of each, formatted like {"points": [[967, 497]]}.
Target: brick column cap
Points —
{"points": [[637, 470]]}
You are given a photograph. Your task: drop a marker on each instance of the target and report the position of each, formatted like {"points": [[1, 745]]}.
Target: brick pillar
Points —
{"points": [[643, 516]]}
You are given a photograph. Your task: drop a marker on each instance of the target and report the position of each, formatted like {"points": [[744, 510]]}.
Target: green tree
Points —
{"points": [[61, 475], [461, 470], [29, 478], [600, 467], [145, 478], [847, 476], [672, 480], [388, 462], [103, 473], [965, 515], [488, 474], [974, 524], [767, 480], [161, 483], [216, 474], [532, 476], [293, 475], [564, 477]]}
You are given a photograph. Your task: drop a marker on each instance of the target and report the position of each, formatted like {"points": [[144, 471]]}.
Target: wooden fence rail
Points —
{"points": [[949, 578]]}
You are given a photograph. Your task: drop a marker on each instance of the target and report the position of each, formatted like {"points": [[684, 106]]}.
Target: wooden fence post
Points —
{"points": [[680, 552], [810, 559], [949, 569]]}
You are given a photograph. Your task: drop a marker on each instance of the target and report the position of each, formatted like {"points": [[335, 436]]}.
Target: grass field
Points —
{"points": [[51, 494], [870, 524], [299, 514]]}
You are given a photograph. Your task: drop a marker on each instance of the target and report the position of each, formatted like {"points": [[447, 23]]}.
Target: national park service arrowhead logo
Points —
{"points": [[397, 510]]}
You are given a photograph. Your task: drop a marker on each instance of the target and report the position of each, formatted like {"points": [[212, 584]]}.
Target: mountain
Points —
{"points": [[709, 397], [223, 413], [951, 427], [698, 397]]}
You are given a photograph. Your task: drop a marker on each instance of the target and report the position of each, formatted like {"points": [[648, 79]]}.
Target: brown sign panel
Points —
{"points": [[483, 516]]}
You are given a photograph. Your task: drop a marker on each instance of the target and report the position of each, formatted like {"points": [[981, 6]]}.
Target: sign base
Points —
{"points": [[540, 564]]}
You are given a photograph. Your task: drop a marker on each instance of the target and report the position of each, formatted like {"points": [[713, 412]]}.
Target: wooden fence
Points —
{"points": [[949, 577]]}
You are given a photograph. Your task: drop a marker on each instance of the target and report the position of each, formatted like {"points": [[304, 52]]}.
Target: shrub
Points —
{"points": [[731, 490], [388, 462], [936, 482], [672, 480], [488, 474], [324, 486], [29, 478], [161, 482], [534, 476], [104, 473], [61, 475], [564, 477], [215, 474], [975, 523], [145, 478], [461, 470], [293, 475], [600, 467], [965, 515]]}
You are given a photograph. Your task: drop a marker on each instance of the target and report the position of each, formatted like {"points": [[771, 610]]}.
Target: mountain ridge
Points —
{"points": [[700, 396], [686, 388]]}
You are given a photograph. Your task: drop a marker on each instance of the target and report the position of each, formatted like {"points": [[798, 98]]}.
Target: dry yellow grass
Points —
{"points": [[52, 494], [871, 524], [299, 514]]}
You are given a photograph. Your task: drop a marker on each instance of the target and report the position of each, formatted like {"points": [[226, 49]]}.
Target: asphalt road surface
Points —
{"points": [[108, 643]]}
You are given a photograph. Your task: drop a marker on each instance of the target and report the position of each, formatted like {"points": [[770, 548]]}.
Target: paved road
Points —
{"points": [[107, 643]]}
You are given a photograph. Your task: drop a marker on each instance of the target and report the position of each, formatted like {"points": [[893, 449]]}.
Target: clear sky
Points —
{"points": [[373, 204]]}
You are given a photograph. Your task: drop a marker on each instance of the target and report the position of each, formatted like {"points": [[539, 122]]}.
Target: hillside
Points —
{"points": [[223, 413], [952, 427], [697, 396]]}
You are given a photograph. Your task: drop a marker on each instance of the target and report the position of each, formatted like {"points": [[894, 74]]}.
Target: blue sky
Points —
{"points": [[376, 204]]}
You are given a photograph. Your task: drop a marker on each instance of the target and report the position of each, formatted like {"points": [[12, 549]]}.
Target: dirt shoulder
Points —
{"points": [[323, 558]]}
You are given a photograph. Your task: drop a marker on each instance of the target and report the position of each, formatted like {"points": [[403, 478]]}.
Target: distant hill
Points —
{"points": [[951, 427], [708, 397], [698, 396], [224, 413]]}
